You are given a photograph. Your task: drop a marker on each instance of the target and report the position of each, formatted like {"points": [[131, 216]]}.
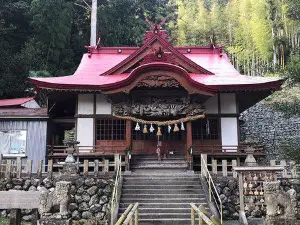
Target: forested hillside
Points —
{"points": [[47, 37]]}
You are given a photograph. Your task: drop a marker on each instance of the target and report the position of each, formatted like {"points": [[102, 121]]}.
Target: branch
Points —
{"points": [[83, 6], [87, 4]]}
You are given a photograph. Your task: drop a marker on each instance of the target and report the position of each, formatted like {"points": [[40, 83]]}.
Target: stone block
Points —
{"points": [[53, 221]]}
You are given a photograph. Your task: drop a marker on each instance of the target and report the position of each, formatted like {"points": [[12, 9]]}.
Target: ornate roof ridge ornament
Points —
{"points": [[156, 27]]}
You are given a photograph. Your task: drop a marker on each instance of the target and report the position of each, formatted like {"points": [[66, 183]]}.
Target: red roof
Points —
{"points": [[100, 68], [14, 101]]}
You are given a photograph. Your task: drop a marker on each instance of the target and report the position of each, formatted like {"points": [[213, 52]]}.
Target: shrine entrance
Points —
{"points": [[169, 142]]}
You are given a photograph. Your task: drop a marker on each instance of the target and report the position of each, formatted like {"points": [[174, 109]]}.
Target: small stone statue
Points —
{"points": [[281, 205], [60, 196]]}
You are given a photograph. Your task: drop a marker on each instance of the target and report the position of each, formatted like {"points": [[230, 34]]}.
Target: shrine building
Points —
{"points": [[138, 99]]}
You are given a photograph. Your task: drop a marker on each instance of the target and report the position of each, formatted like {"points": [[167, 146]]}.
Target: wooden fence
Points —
{"points": [[223, 167], [23, 168]]}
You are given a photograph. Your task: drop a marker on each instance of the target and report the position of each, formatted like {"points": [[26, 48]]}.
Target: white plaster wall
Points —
{"points": [[228, 103], [31, 104], [85, 131], [85, 104], [103, 107], [229, 132], [211, 105]]}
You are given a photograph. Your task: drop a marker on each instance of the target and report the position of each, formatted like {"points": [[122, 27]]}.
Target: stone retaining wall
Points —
{"points": [[229, 194], [267, 126], [90, 197]]}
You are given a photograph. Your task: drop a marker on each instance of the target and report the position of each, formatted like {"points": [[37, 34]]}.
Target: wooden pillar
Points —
{"points": [[241, 192], [15, 217], [128, 133], [189, 140]]}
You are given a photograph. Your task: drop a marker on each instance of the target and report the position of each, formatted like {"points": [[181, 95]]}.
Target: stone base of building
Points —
{"points": [[280, 221], [52, 221]]}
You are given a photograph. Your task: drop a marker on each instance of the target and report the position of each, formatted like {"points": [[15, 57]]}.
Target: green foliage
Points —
{"points": [[292, 71], [290, 150]]}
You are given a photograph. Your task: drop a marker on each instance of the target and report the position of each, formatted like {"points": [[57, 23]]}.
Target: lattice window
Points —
{"points": [[110, 129], [205, 129]]}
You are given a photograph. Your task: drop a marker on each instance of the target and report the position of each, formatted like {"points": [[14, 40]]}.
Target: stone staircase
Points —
{"points": [[163, 189], [150, 163]]}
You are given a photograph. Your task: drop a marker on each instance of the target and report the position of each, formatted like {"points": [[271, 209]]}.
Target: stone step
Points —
{"points": [[134, 157], [161, 182], [161, 178], [162, 191], [165, 221], [161, 187], [167, 175], [165, 161], [159, 165], [165, 200], [159, 170], [163, 195], [156, 205], [156, 215]]}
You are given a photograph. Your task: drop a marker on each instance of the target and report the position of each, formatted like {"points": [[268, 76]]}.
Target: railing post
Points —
{"points": [[50, 168], [234, 164], [127, 163], [96, 167], [200, 220], [136, 217], [116, 162], [86, 167], [106, 165], [39, 168], [19, 167], [29, 167], [8, 168], [203, 165], [192, 216], [224, 167], [209, 189], [214, 167]]}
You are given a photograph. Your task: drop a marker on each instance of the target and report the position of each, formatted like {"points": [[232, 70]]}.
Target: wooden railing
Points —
{"points": [[203, 216], [213, 195], [116, 192], [24, 168], [229, 149], [130, 215], [56, 150]]}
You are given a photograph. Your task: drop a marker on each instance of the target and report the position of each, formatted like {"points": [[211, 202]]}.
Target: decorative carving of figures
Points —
{"points": [[123, 108], [159, 106], [159, 81]]}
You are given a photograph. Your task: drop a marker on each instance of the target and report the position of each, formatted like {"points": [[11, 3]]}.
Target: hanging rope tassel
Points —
{"points": [[158, 132], [182, 126], [137, 127], [145, 130], [151, 128], [176, 129], [169, 128]]}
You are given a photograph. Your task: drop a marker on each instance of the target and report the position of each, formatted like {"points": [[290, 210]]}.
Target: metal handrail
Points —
{"points": [[212, 190], [116, 193]]}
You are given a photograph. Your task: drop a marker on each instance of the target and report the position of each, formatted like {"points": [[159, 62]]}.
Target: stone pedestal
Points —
{"points": [[52, 221], [280, 221]]}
